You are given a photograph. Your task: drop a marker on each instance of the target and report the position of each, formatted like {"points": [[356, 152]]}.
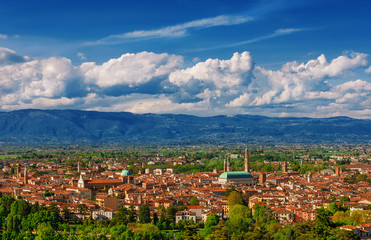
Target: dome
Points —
{"points": [[125, 173], [234, 175]]}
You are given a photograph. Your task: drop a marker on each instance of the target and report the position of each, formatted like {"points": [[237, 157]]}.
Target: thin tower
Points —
{"points": [[247, 160], [25, 180], [285, 166]]}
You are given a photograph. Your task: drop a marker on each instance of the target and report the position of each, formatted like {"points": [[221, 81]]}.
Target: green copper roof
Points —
{"points": [[233, 175], [246, 150], [125, 173]]}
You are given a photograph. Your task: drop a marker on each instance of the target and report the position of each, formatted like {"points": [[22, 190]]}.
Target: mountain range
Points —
{"points": [[35, 127]]}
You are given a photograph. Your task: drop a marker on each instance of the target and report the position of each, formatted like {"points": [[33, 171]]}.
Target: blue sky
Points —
{"points": [[273, 58]]}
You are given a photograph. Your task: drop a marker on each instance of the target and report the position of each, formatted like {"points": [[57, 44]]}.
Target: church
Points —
{"points": [[238, 177], [95, 184]]}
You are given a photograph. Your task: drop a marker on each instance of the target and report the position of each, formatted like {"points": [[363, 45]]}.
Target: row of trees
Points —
{"points": [[22, 220]]}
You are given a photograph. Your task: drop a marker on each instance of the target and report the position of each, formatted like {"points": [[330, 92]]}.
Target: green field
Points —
{"points": [[9, 156]]}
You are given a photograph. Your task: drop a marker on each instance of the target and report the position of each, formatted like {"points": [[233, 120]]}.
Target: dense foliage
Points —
{"points": [[22, 220]]}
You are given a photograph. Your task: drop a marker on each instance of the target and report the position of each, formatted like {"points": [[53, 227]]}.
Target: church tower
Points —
{"points": [[229, 165], [18, 171], [285, 166], [247, 160], [25, 180], [81, 183]]}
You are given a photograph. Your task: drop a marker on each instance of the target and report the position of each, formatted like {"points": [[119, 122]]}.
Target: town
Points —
{"points": [[189, 194]]}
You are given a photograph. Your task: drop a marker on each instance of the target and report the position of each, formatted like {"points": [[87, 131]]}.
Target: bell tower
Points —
{"points": [[247, 160]]}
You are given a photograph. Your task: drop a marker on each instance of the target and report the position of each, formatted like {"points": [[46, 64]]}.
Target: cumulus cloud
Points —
{"points": [[130, 70], [150, 82], [3, 36], [294, 80], [175, 30], [214, 79], [368, 70], [50, 78]]}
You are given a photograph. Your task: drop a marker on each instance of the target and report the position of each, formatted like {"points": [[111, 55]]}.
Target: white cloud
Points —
{"points": [[159, 83], [3, 36], [175, 30], [368, 70], [220, 73], [130, 69], [49, 78]]}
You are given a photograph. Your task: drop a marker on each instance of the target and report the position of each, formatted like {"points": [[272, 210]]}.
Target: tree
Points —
{"points": [[220, 233], [170, 214], [361, 178], [323, 223], [239, 211], [341, 234], [121, 217], [234, 198], [333, 208], [20, 207], [344, 199], [211, 221], [190, 233], [162, 212], [155, 219], [229, 190], [144, 214], [132, 215], [194, 201], [45, 232]]}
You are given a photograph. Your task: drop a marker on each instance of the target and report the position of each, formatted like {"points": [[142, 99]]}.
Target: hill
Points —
{"points": [[89, 127]]}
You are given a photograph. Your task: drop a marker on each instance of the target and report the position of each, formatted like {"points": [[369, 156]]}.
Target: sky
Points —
{"points": [[307, 58]]}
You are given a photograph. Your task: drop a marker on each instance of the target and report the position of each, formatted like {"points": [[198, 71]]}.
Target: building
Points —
{"points": [[238, 177]]}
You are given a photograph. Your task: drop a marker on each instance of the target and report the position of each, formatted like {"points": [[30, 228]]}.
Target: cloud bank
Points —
{"points": [[159, 83]]}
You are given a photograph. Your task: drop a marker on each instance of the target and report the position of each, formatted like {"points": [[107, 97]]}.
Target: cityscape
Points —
{"points": [[189, 193], [185, 120]]}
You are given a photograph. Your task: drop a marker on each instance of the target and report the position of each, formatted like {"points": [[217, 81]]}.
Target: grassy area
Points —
{"points": [[9, 156]]}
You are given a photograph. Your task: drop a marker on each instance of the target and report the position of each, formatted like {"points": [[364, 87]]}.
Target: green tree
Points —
{"points": [[45, 232], [155, 218], [20, 207], [161, 209], [234, 198], [323, 223], [333, 208], [121, 217], [341, 234], [190, 233], [361, 178], [344, 199], [144, 214], [220, 233], [194, 201], [170, 214], [240, 211], [132, 214], [211, 221]]}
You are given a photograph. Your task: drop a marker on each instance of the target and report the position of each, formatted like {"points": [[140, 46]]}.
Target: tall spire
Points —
{"points": [[247, 160]]}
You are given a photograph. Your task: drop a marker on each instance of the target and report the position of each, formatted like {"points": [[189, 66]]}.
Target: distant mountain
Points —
{"points": [[85, 127]]}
